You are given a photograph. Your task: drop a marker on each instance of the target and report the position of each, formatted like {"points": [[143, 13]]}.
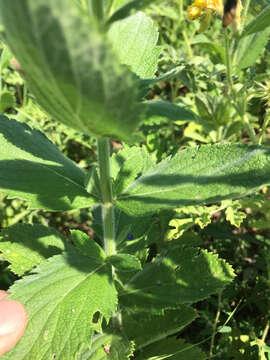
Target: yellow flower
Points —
{"points": [[202, 7]]}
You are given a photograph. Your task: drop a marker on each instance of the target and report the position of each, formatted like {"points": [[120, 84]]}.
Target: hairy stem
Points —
{"points": [[228, 64], [264, 127], [250, 130], [245, 11], [108, 221], [182, 21], [98, 10]]}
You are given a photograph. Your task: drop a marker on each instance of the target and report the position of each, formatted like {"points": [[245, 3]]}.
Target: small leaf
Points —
{"points": [[168, 281], [194, 215], [107, 347], [171, 349], [7, 100], [33, 169], [126, 165], [87, 246], [178, 227], [145, 328], [24, 246], [125, 262], [259, 23], [61, 299], [198, 176], [233, 215], [134, 39]]}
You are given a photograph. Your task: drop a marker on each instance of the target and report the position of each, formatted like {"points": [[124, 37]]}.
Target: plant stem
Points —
{"points": [[262, 341], [98, 10], [250, 130], [183, 29], [108, 221], [228, 64], [212, 344], [187, 43], [109, 7], [245, 11], [264, 127]]}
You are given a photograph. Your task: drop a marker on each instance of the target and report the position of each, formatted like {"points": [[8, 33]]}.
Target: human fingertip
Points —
{"points": [[13, 321]]}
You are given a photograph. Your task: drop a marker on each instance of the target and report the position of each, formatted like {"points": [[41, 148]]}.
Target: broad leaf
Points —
{"points": [[87, 246], [24, 246], [168, 281], [258, 24], [126, 165], [250, 48], [33, 169], [61, 299], [134, 39], [144, 328], [162, 109], [67, 57], [197, 176], [125, 262], [171, 349]]}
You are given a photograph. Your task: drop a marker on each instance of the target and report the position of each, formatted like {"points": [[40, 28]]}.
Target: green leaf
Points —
{"points": [[91, 91], [24, 246], [233, 215], [5, 58], [126, 165], [197, 176], [215, 51], [87, 246], [61, 299], [125, 262], [258, 24], [162, 109], [250, 48], [134, 39], [193, 215], [128, 6], [144, 328], [33, 169], [178, 227], [131, 231], [168, 281], [107, 347], [165, 349]]}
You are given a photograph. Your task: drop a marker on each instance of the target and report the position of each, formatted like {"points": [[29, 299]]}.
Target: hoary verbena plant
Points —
{"points": [[90, 66]]}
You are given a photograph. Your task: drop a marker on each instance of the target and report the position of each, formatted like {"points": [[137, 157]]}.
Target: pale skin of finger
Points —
{"points": [[13, 319]]}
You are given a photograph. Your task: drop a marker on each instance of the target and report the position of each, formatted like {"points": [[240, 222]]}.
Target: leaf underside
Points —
{"points": [[61, 299], [67, 57], [33, 169]]}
